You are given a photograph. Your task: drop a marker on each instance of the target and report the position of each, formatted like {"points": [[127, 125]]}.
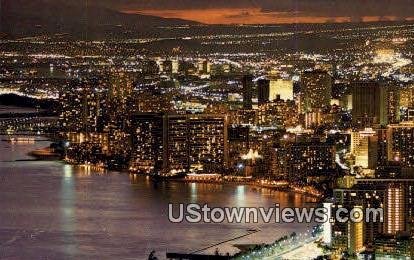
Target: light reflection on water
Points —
{"points": [[57, 211], [193, 192], [67, 208]]}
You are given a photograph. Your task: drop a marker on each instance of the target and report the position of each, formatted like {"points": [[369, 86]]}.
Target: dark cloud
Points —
{"points": [[171, 4], [239, 15]]}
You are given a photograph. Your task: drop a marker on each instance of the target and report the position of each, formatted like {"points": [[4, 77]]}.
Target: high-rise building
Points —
{"points": [[356, 234], [393, 192], [394, 208], [316, 88], [382, 158], [281, 88], [400, 140], [175, 66], [313, 119], [398, 199], [148, 143], [179, 143], [308, 158], [364, 146], [177, 146], [365, 196], [407, 97], [83, 107], [204, 66], [247, 82], [393, 105], [117, 116], [208, 142], [263, 91], [197, 143], [407, 114], [238, 137], [278, 113], [407, 104], [270, 90], [369, 104], [153, 101]]}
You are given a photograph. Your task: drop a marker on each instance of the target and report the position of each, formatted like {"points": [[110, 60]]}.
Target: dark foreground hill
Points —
{"points": [[22, 18]]}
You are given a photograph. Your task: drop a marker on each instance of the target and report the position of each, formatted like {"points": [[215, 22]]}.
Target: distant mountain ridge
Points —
{"points": [[21, 18]]}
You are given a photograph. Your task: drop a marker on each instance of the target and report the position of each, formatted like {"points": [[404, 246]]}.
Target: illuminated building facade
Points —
{"points": [[364, 146], [243, 117], [247, 83], [278, 113], [208, 142], [197, 143], [393, 105], [179, 143], [282, 88], [407, 97], [400, 140], [363, 196], [304, 159], [394, 209], [83, 107], [313, 119], [147, 142], [382, 145], [406, 103], [369, 104], [87, 148], [393, 247], [389, 237], [204, 66], [270, 90], [398, 198], [316, 88], [152, 102], [356, 234], [177, 146]]}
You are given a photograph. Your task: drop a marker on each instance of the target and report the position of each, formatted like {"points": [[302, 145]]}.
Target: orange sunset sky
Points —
{"points": [[254, 16]]}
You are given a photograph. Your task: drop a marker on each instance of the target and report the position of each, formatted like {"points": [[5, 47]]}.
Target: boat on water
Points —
{"points": [[45, 154]]}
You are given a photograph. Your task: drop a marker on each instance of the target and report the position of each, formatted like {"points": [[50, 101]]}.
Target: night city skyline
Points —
{"points": [[198, 129]]}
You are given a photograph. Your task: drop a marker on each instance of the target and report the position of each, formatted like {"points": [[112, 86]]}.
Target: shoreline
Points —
{"points": [[256, 183], [284, 186]]}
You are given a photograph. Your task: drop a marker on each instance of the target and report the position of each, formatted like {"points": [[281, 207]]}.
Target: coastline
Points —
{"points": [[257, 183], [284, 186]]}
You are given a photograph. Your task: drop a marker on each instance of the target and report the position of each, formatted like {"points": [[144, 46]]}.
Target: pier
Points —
{"points": [[197, 254]]}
